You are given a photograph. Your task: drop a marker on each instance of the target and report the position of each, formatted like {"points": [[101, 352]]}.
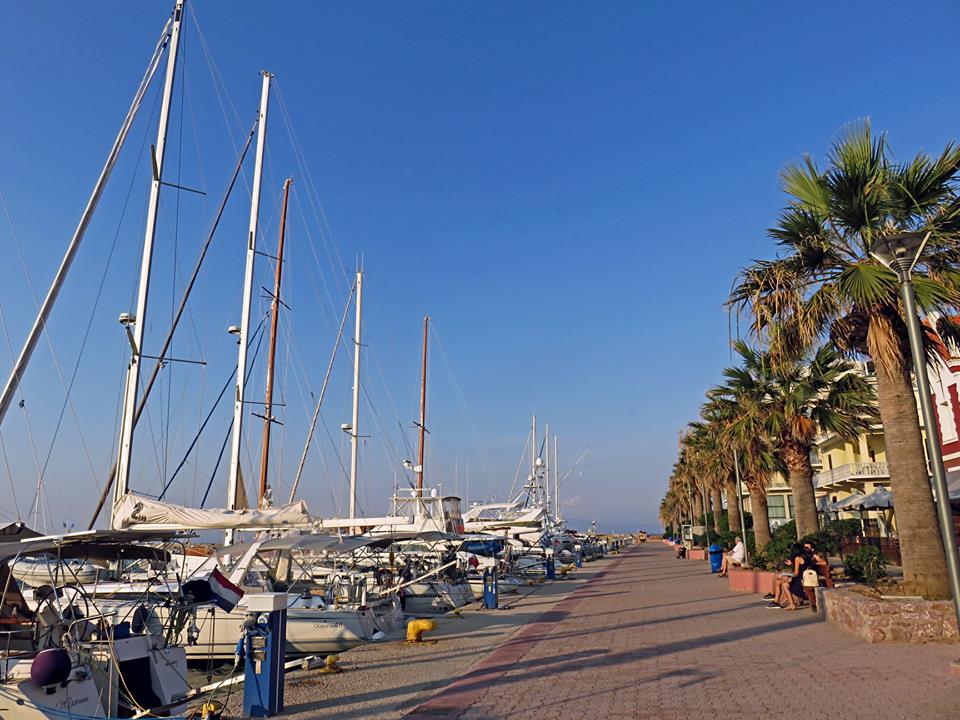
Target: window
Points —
{"points": [[873, 455], [790, 511], [775, 507]]}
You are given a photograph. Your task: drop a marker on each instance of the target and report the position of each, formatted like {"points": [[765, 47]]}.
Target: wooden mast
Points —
{"points": [[275, 316], [423, 407]]}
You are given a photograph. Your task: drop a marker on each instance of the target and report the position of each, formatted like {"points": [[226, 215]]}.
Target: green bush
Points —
{"points": [[866, 565], [777, 552]]}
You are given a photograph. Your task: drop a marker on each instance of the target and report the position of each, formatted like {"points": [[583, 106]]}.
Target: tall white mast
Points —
{"points": [[533, 446], [355, 421], [139, 321], [243, 339], [546, 466]]}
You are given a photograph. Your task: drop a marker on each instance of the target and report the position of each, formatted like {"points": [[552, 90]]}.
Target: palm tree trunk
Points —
{"points": [[801, 485], [733, 504], [717, 507], [697, 508], [921, 548], [761, 521]]}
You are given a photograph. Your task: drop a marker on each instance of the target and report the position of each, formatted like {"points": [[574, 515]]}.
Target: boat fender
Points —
{"points": [[416, 629], [50, 667]]}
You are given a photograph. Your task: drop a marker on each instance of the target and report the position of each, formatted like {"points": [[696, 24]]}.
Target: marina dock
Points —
{"points": [[636, 635]]}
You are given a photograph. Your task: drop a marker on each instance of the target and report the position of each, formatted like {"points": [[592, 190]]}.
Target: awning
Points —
{"points": [[849, 503], [90, 545], [879, 499]]}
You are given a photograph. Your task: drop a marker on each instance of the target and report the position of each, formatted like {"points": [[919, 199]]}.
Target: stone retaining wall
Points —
{"points": [[890, 620]]}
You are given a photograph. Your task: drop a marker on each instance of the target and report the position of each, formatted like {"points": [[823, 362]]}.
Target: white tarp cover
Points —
{"points": [[136, 511]]}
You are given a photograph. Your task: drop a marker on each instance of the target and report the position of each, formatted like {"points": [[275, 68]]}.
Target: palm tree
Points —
{"points": [[822, 392], [745, 420], [702, 442], [826, 283], [721, 460]]}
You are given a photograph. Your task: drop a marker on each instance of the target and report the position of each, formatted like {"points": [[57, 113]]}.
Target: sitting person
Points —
{"points": [[781, 587], [788, 588], [736, 557], [681, 552], [820, 563]]}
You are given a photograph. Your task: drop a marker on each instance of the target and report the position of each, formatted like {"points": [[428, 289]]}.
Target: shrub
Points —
{"points": [[777, 552], [866, 565]]}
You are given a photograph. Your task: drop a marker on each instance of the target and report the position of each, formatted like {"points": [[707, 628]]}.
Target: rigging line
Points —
{"points": [[73, 247], [393, 407], [26, 415], [380, 425], [336, 452], [46, 335], [463, 405], [323, 390], [6, 464], [328, 307], [176, 247], [220, 89], [516, 476], [311, 187], [93, 312], [183, 303], [201, 344], [256, 351], [186, 455]]}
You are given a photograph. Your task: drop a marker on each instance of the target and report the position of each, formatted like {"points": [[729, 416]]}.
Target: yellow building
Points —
{"points": [[843, 468]]}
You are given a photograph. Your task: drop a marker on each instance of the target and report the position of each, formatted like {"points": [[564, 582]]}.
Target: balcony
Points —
{"points": [[855, 472]]}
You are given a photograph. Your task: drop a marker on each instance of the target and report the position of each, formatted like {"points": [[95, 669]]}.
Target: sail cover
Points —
{"points": [[139, 512]]}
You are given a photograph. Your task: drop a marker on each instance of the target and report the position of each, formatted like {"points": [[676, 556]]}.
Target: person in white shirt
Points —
{"points": [[735, 557]]}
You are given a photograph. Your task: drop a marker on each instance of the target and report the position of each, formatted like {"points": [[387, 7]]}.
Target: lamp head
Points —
{"points": [[900, 251]]}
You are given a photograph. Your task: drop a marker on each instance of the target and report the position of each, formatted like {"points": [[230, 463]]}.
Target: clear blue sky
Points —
{"points": [[568, 189]]}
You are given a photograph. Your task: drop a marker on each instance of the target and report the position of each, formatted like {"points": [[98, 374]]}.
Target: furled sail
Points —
{"points": [[143, 513]]}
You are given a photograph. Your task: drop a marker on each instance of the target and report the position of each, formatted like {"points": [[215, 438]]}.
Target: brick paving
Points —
{"points": [[656, 638]]}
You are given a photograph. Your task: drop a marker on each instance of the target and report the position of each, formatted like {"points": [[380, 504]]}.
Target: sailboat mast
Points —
{"points": [[355, 422], [423, 407], [139, 321], [274, 317], [546, 465], [534, 451], [243, 339]]}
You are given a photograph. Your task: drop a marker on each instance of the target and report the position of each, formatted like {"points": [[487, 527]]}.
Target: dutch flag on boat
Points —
{"points": [[225, 593], [216, 589]]}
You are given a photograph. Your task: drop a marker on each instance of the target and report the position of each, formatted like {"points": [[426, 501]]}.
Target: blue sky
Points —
{"points": [[568, 189]]}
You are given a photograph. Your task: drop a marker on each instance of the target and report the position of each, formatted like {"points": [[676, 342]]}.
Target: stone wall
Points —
{"points": [[890, 620]]}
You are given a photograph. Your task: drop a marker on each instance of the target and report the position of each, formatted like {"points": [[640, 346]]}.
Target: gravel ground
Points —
{"points": [[386, 680]]}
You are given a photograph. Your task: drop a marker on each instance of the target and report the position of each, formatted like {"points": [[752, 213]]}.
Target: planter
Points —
{"points": [[696, 554], [751, 581], [907, 620]]}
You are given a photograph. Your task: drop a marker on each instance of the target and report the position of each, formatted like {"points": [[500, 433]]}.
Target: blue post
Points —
{"points": [[551, 568], [578, 559], [491, 589], [265, 644]]}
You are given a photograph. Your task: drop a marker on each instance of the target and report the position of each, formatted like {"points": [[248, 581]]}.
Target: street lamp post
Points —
{"points": [[740, 509], [900, 253]]}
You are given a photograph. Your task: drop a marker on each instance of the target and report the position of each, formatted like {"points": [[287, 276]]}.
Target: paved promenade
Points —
{"points": [[656, 638]]}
